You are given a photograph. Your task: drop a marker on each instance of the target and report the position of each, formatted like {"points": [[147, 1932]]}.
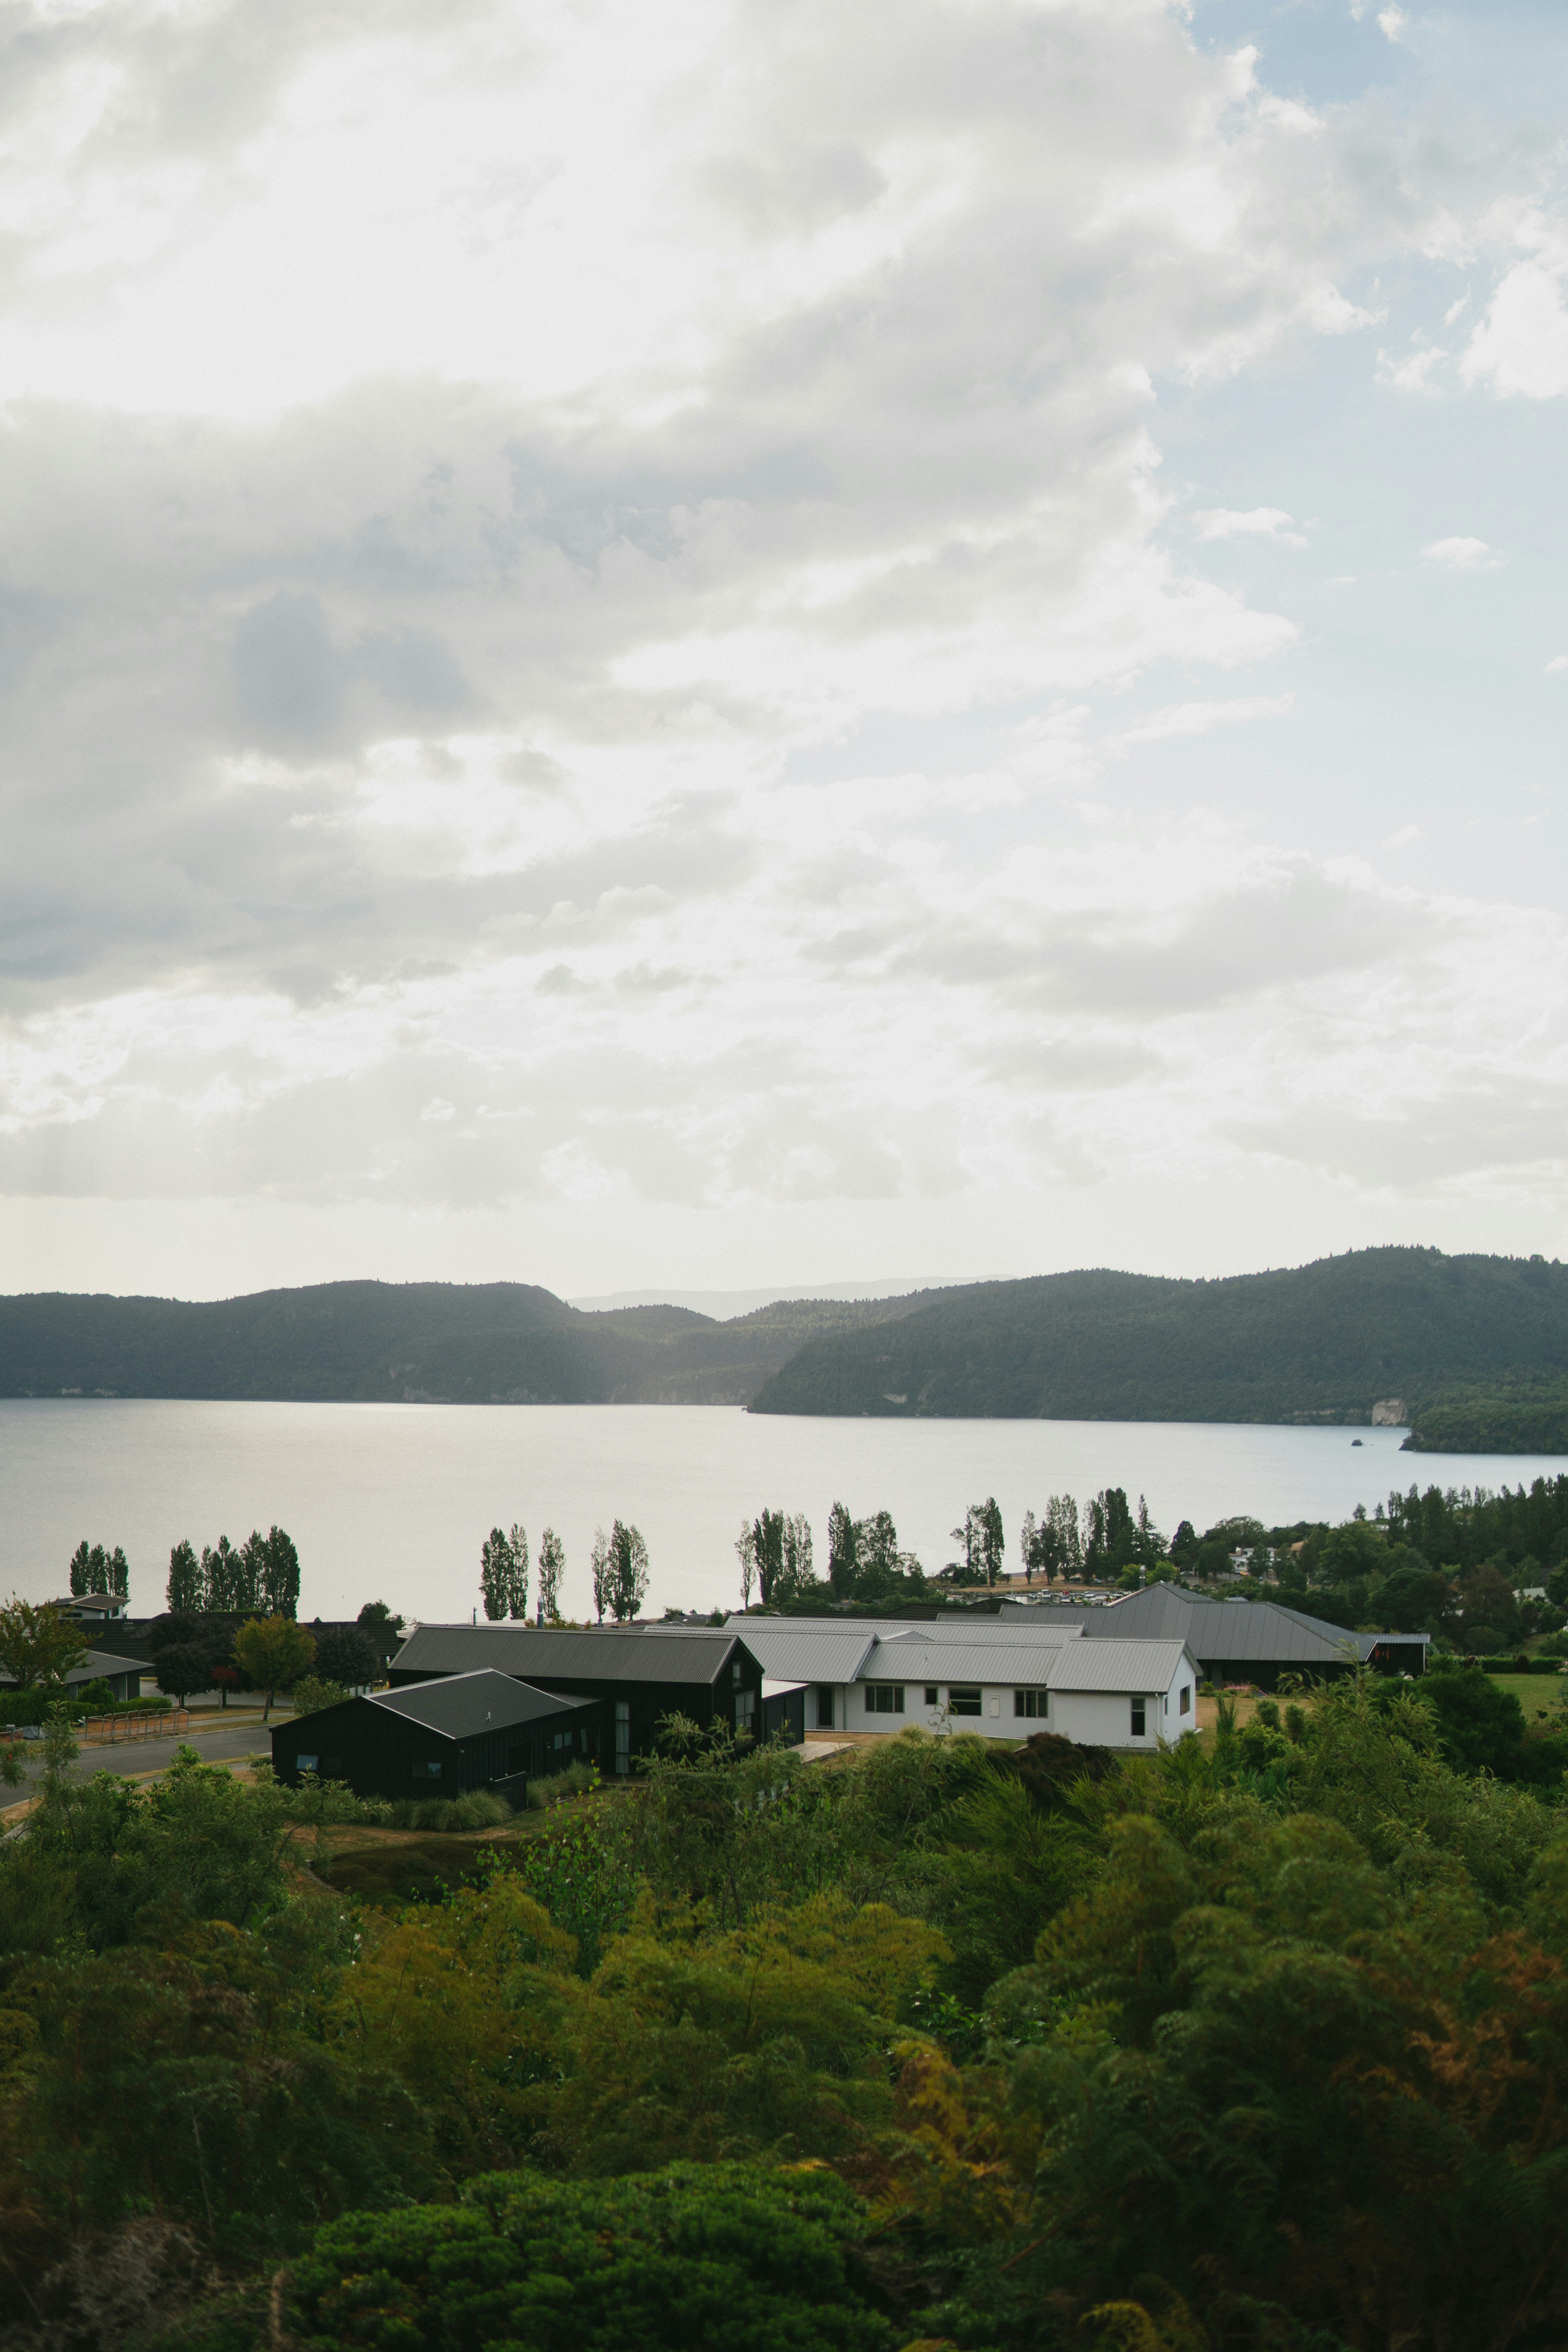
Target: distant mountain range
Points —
{"points": [[1394, 1333]]}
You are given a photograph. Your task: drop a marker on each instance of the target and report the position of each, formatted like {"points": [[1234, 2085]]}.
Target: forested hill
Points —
{"points": [[443, 1342], [1323, 1342]]}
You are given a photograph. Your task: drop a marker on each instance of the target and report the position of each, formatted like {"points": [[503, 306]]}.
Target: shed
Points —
{"points": [[703, 1672], [442, 1738]]}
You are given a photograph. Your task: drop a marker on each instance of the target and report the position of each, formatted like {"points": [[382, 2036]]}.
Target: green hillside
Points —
{"points": [[439, 1343], [1322, 1343], [1523, 1415]]}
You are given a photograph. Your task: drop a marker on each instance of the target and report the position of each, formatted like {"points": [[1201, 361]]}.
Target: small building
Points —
{"points": [[92, 1608], [442, 1738], [643, 1675], [123, 1675]]}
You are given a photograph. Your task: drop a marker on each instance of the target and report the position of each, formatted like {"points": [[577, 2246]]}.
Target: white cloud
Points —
{"points": [[1412, 373], [1261, 522], [1521, 346], [481, 494], [1393, 23], [1462, 555], [1558, 666]]}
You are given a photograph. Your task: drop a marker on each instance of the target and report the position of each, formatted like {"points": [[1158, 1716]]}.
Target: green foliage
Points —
{"points": [[273, 1653], [95, 1568], [309, 1696], [1523, 1414], [37, 1646], [1320, 1342], [699, 2259]]}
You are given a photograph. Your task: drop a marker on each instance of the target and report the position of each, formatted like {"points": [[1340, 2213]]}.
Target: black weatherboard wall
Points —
{"points": [[442, 1738], [703, 1672]]}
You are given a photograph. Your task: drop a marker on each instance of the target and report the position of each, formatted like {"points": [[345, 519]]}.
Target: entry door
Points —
{"points": [[623, 1735], [824, 1706]]}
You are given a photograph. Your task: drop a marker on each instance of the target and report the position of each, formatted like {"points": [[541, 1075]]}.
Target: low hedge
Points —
{"points": [[33, 1707], [1522, 1665]]}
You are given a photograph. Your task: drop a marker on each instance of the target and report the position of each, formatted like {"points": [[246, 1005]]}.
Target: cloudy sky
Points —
{"points": [[732, 642]]}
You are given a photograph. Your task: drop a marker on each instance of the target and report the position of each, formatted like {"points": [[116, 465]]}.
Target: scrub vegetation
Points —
{"points": [[1261, 2041]]}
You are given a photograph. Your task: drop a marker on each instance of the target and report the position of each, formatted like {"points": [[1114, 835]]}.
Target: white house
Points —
{"points": [[1001, 1682]]}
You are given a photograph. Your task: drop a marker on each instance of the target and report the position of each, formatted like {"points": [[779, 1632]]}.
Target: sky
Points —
{"points": [[744, 643]]}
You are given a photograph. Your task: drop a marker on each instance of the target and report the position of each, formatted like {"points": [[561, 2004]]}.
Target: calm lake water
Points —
{"points": [[393, 1501]]}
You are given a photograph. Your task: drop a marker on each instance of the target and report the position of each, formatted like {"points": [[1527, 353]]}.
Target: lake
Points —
{"points": [[393, 1501]]}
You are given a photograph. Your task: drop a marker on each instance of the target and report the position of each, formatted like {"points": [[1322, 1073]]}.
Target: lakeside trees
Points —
{"points": [[503, 1572], [260, 1574], [96, 1569]]}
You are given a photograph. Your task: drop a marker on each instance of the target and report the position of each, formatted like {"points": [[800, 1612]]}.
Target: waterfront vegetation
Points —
{"points": [[1262, 2042]]}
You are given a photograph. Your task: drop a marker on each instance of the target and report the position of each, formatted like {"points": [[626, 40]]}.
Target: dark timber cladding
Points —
{"points": [[702, 1671], [443, 1738]]}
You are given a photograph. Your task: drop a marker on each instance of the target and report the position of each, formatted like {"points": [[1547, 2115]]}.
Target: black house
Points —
{"points": [[702, 1671], [442, 1738]]}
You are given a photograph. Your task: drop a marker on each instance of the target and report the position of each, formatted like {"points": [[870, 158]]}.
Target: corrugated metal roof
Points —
{"points": [[1243, 1631], [982, 1629], [812, 1653], [99, 1662], [540, 1653], [1131, 1666], [997, 1660], [458, 1705]]}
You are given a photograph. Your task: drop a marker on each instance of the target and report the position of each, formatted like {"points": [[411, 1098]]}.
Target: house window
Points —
{"points": [[884, 1698], [623, 1735], [746, 1710], [426, 1771], [1184, 1705], [307, 1763], [1030, 1703], [964, 1702], [932, 1695], [1137, 1718]]}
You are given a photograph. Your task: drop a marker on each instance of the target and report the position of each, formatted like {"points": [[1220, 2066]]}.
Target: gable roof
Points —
{"points": [[458, 1705], [97, 1662], [1116, 1666], [541, 1653], [1244, 1631]]}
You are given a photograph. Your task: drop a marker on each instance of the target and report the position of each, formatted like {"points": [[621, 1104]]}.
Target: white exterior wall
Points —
{"points": [[1092, 1718]]}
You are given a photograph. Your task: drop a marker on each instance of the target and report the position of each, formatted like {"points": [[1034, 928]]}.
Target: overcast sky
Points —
{"points": [[740, 642]]}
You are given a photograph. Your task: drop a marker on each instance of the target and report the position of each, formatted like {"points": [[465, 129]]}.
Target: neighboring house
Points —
{"points": [[92, 1608], [1003, 1681], [480, 1729], [123, 1675], [705, 1673], [1243, 1641]]}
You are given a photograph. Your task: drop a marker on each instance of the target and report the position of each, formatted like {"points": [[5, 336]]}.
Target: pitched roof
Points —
{"points": [[1131, 1666], [458, 1705], [1244, 1631], [1000, 1660], [97, 1662], [808, 1652], [541, 1653]]}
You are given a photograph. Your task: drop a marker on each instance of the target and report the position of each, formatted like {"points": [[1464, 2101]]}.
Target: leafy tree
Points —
{"points": [[710, 2258], [95, 1570], [599, 1569], [993, 1545], [316, 1692], [37, 1645], [496, 1575], [278, 1572], [345, 1655], [1358, 1549], [1184, 1545], [1412, 1595], [967, 1536], [767, 1533], [746, 1553], [186, 1667], [275, 1652], [799, 1576], [626, 1588], [552, 1568], [1110, 1534], [841, 1559], [227, 1578], [187, 1589]]}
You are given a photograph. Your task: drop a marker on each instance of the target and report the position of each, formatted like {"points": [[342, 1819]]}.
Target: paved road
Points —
{"points": [[220, 1739]]}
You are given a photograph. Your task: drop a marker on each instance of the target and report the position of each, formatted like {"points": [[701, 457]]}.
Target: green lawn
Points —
{"points": [[1533, 1691]]}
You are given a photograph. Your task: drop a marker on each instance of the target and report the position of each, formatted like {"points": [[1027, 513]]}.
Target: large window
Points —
{"points": [[964, 1702], [1031, 1703], [884, 1698], [1139, 1718]]}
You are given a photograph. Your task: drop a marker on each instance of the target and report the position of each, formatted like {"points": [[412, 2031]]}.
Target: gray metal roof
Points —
{"points": [[999, 1660], [458, 1705], [1130, 1667], [99, 1662], [540, 1653], [808, 1651], [1243, 1631], [978, 1628]]}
